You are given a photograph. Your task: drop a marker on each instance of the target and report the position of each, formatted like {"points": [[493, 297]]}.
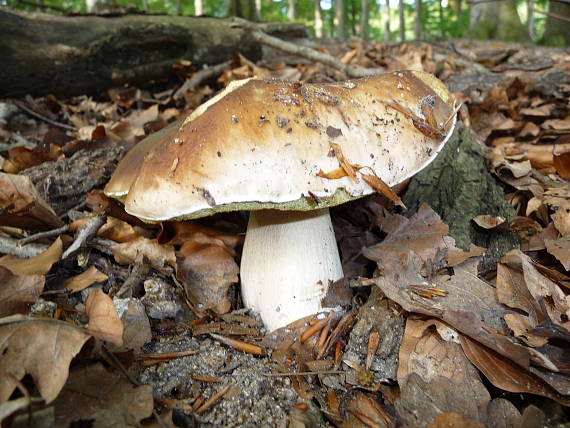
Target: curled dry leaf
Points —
{"points": [[158, 255], [365, 411], [117, 230], [489, 221], [104, 323], [22, 206], [448, 420], [504, 374], [136, 325], [470, 305], [424, 234], [437, 357], [561, 158], [178, 232], [20, 158], [93, 393], [18, 292], [207, 272], [40, 348], [521, 327], [546, 294], [84, 280], [38, 265], [560, 248]]}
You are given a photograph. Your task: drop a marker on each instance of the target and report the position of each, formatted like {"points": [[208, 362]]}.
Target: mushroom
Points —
{"points": [[287, 151]]}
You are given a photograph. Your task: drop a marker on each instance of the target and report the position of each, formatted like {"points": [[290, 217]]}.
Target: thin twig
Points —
{"points": [[46, 234], [200, 77], [213, 400], [31, 112], [248, 348], [86, 231], [120, 366], [12, 246], [166, 355], [136, 276], [304, 51]]}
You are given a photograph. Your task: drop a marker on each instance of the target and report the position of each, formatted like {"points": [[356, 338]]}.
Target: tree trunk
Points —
{"points": [[441, 22], [458, 186], [353, 19], [497, 21], [178, 7], [387, 32], [243, 9], [557, 31], [42, 54], [258, 10], [401, 13], [418, 20], [198, 7], [340, 19], [530, 23], [318, 20], [291, 12], [364, 15]]}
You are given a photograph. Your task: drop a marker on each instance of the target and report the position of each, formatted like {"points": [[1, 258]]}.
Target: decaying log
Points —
{"points": [[75, 55], [458, 186]]}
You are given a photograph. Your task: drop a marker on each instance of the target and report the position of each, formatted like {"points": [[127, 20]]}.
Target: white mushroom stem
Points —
{"points": [[288, 259]]}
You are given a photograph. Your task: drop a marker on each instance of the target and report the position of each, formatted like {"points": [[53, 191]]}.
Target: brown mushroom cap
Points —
{"points": [[128, 169], [262, 144]]}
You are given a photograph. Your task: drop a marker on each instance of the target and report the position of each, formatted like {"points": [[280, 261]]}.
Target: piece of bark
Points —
{"points": [[377, 315], [40, 51], [65, 183], [458, 187]]}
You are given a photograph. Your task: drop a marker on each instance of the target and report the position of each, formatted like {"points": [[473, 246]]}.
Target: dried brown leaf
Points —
{"points": [[368, 413], [84, 279], [104, 323], [521, 327], [22, 206], [382, 188], [93, 393], [451, 420], [21, 158], [556, 124], [560, 248], [117, 230], [40, 348], [158, 255], [136, 325], [543, 289], [207, 269], [561, 159], [470, 305], [332, 175], [489, 221], [18, 292], [344, 163], [424, 234], [179, 232], [504, 374], [38, 265], [435, 355]]}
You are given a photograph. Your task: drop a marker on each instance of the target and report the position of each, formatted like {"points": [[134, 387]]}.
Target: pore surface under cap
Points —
{"points": [[263, 144]]}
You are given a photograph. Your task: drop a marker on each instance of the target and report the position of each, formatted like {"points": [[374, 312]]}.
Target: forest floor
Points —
{"points": [[102, 322]]}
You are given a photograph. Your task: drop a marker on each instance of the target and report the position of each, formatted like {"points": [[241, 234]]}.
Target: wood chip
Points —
{"points": [[246, 347], [213, 399]]}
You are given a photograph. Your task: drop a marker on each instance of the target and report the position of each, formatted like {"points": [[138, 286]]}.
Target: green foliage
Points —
{"points": [[438, 22]]}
